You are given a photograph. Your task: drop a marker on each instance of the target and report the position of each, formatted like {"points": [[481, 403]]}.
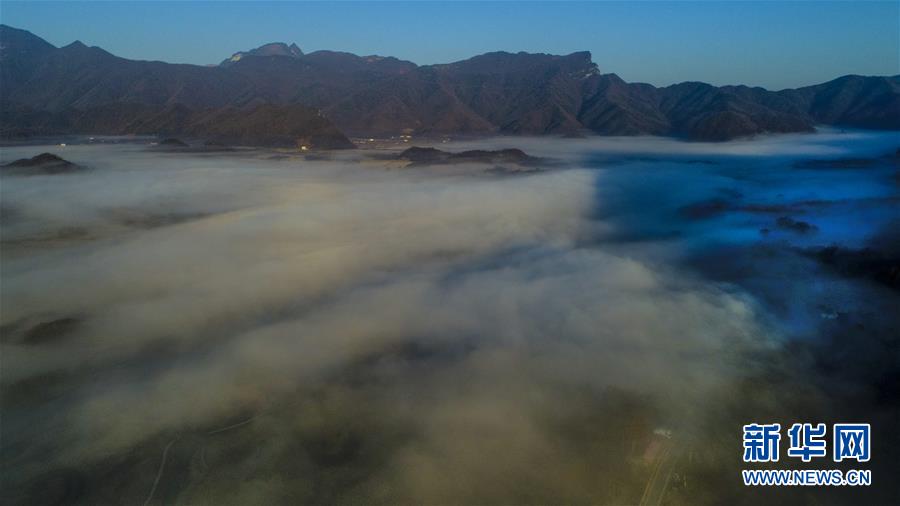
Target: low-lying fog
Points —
{"points": [[246, 328]]}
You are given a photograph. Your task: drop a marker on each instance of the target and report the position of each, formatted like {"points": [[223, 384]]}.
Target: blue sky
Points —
{"points": [[771, 44]]}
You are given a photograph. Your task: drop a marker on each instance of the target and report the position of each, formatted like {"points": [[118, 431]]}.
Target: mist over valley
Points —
{"points": [[259, 327]]}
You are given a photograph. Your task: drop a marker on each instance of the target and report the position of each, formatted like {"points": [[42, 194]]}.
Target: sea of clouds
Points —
{"points": [[284, 330]]}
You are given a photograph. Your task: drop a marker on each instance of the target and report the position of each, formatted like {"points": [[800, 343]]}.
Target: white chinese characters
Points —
{"points": [[850, 441]]}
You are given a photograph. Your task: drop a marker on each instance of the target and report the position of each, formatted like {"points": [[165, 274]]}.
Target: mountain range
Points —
{"points": [[277, 95]]}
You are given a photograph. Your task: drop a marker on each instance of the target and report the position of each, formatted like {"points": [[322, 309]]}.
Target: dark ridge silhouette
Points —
{"points": [[173, 143], [42, 164], [797, 226], [49, 331], [432, 156], [81, 89]]}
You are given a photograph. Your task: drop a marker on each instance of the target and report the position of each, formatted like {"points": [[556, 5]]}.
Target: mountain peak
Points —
{"points": [[270, 49], [503, 62], [21, 43]]}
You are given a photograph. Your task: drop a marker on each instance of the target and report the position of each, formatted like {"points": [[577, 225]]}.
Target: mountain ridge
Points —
{"points": [[270, 49], [493, 93]]}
